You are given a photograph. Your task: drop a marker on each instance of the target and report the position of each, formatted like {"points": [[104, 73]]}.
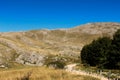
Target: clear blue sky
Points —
{"points": [[19, 15]]}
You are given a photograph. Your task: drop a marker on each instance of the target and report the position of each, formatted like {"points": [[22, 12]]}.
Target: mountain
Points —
{"points": [[35, 46]]}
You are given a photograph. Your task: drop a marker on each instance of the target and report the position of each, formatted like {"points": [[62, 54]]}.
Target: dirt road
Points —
{"points": [[70, 68]]}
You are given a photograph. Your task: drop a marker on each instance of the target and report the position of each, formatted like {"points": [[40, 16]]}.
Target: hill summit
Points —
{"points": [[33, 47]]}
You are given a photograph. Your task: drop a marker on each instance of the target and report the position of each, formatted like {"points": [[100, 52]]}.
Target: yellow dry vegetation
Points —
{"points": [[40, 73]]}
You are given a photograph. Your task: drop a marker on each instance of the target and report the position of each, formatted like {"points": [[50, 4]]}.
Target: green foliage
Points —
{"points": [[114, 53], [95, 53], [57, 64], [103, 52]]}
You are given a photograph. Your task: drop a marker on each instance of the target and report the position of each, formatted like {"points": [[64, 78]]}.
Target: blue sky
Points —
{"points": [[21, 15]]}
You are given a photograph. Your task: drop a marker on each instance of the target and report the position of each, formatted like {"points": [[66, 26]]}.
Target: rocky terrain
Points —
{"points": [[35, 46]]}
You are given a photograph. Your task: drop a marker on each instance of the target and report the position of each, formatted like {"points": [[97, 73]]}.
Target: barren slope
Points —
{"points": [[32, 47]]}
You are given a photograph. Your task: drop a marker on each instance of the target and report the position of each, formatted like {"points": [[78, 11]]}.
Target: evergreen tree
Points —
{"points": [[114, 53], [103, 52], [95, 53]]}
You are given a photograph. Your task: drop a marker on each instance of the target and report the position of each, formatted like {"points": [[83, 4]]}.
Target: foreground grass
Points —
{"points": [[40, 73]]}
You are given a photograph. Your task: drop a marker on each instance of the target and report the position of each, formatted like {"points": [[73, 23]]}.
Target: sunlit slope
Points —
{"points": [[32, 47]]}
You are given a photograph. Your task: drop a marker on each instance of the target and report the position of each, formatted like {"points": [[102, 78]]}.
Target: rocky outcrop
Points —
{"points": [[33, 59], [32, 47]]}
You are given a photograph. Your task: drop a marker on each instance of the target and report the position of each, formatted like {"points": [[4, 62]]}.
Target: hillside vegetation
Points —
{"points": [[36, 46], [103, 52], [40, 73]]}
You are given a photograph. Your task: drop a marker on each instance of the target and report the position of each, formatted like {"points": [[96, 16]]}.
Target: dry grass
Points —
{"points": [[40, 73]]}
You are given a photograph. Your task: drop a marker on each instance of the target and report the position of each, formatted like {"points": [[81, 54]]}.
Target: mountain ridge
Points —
{"points": [[32, 47]]}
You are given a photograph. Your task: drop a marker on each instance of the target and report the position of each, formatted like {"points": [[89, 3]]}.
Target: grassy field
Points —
{"points": [[39, 73]]}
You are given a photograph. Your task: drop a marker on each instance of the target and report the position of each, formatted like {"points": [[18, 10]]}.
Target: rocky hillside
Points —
{"points": [[35, 46]]}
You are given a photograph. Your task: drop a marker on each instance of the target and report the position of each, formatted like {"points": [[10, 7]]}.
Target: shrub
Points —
{"points": [[95, 53], [57, 64], [103, 52]]}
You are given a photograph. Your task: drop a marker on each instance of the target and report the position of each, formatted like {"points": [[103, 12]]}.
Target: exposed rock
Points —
{"points": [[31, 59], [32, 47]]}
